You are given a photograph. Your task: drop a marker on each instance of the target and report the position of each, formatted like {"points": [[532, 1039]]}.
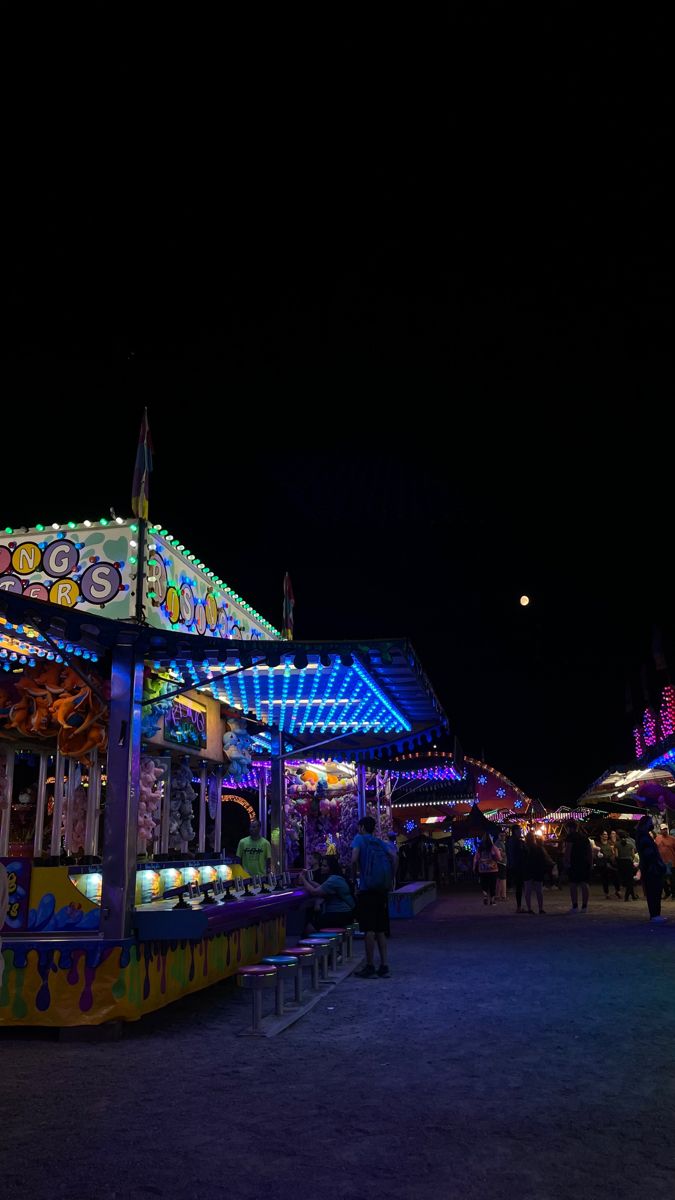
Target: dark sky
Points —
{"points": [[398, 300]]}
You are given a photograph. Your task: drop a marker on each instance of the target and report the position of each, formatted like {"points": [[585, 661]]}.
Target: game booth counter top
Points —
{"points": [[88, 942]]}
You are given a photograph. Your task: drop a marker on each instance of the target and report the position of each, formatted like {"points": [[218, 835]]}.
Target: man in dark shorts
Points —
{"points": [[376, 874]]}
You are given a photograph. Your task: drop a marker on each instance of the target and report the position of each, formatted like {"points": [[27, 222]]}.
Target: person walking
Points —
{"points": [[578, 859], [374, 863], [501, 866], [652, 868], [625, 854], [515, 862], [666, 844], [537, 862], [486, 866], [608, 854]]}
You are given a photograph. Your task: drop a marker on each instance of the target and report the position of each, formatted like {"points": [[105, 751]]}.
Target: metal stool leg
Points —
{"points": [[257, 1010], [298, 984], [279, 1006]]}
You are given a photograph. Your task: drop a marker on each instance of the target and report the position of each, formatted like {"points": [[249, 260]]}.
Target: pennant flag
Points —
{"points": [[289, 605], [140, 488]]}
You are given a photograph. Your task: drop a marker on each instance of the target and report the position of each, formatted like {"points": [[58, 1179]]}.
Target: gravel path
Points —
{"points": [[514, 1057]]}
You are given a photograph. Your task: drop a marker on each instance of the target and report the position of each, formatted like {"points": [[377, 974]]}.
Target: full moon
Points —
{"points": [[524, 600]]}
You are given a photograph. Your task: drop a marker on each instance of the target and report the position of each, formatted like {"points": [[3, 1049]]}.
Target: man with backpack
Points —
{"points": [[374, 862]]}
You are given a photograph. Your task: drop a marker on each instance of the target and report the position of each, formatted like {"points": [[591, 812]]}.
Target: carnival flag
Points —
{"points": [[289, 605], [140, 488]]}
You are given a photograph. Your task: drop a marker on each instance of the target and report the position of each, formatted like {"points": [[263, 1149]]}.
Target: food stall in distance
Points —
{"points": [[137, 691]]}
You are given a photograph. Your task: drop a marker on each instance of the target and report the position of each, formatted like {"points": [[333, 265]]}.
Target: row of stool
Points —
{"points": [[317, 952]]}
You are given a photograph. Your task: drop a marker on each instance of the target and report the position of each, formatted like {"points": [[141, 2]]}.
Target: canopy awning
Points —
{"points": [[619, 785], [362, 698]]}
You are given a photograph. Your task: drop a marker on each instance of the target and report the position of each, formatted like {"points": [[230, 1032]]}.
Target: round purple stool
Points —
{"points": [[256, 979]]}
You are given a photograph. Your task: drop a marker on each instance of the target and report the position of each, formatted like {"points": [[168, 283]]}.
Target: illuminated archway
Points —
{"points": [[230, 798]]}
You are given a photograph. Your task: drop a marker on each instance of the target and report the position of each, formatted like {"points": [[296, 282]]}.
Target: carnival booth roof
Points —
{"points": [[618, 787], [362, 698], [435, 779]]}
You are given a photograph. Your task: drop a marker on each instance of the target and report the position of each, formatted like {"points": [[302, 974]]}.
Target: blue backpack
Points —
{"points": [[376, 865]]}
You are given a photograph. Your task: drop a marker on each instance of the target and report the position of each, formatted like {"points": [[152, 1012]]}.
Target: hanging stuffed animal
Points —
{"points": [[151, 719], [237, 748], [78, 829], [149, 802], [182, 797]]}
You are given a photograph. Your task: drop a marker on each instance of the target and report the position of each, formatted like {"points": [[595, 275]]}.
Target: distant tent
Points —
{"points": [[474, 825]]}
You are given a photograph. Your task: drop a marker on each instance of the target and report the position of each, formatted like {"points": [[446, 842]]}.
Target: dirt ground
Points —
{"points": [[515, 1057]]}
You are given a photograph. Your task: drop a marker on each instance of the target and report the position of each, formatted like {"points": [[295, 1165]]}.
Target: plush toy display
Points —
{"points": [[52, 699], [151, 720], [149, 803], [182, 797], [237, 748], [79, 825]]}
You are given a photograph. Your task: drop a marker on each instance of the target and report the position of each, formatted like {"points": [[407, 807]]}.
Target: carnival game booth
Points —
{"points": [[139, 933]]}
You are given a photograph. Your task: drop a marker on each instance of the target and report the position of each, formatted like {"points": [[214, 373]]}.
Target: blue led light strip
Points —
{"points": [[326, 694], [308, 707], [400, 720], [336, 710], [256, 693], [284, 694], [242, 688], [355, 719], [296, 700], [270, 695]]}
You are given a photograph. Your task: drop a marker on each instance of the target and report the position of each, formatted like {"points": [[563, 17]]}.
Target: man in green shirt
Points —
{"points": [[254, 852]]}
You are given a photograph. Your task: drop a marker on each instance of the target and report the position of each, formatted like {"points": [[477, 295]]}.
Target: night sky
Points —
{"points": [[399, 305]]}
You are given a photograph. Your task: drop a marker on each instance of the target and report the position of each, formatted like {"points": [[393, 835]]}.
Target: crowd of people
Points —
{"points": [[622, 861]]}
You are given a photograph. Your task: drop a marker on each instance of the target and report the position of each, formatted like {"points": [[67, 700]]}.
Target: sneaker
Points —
{"points": [[657, 920], [542, 912], [573, 909], [367, 972], [584, 908], [485, 900], [383, 971]]}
